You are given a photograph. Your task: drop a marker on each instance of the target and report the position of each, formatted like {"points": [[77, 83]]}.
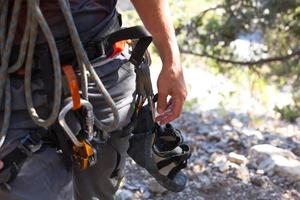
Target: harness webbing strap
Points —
{"points": [[15, 153], [131, 33]]}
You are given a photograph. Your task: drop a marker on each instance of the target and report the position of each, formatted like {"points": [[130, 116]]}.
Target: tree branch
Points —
{"points": [[204, 12], [249, 63]]}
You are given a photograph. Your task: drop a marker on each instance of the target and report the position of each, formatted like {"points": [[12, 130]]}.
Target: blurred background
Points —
{"points": [[241, 117]]}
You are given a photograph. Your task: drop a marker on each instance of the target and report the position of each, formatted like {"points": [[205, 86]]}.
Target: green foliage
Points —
{"points": [[274, 25], [289, 113]]}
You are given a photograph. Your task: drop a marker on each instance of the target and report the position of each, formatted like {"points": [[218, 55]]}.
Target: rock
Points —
{"points": [[132, 187], [206, 182], [229, 193], [155, 187], [123, 194], [296, 150], [225, 166], [203, 130], [146, 195], [253, 132], [199, 167], [215, 136], [236, 123], [243, 174], [217, 157], [291, 194], [232, 135], [237, 158], [226, 127], [275, 160], [260, 181], [199, 198], [297, 186], [248, 141], [260, 172]]}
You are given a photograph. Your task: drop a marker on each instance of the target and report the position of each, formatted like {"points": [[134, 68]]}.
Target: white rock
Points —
{"points": [[232, 135], [253, 132], [226, 127], [237, 158], [198, 168], [243, 174], [260, 172], [275, 160], [225, 166], [236, 123], [217, 157]]}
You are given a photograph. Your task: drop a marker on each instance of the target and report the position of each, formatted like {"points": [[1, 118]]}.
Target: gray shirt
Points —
{"points": [[86, 13]]}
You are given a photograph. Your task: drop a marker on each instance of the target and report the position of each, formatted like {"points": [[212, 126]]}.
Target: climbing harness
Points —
{"points": [[107, 48], [34, 20], [160, 150]]}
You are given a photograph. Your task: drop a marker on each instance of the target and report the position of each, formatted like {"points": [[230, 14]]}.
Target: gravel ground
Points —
{"points": [[212, 138]]}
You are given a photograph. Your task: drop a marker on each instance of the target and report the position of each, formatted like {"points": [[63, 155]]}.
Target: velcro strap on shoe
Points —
{"points": [[177, 158]]}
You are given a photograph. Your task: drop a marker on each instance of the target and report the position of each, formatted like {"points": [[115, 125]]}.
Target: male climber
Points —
{"points": [[43, 176]]}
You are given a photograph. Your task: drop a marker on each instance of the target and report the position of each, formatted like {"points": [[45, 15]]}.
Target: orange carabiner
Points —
{"points": [[73, 85]]}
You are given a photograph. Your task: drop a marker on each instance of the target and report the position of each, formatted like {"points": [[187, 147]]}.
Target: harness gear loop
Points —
{"points": [[73, 85]]}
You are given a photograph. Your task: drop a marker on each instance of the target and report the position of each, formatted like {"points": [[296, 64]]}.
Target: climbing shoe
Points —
{"points": [[160, 150]]}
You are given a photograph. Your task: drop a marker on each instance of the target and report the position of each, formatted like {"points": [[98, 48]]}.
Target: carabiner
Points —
{"points": [[89, 121]]}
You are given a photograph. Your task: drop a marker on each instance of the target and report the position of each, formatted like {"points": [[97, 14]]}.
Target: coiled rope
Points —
{"points": [[35, 19]]}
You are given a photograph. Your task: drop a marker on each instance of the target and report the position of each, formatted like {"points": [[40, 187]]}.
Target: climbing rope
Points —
{"points": [[35, 19]]}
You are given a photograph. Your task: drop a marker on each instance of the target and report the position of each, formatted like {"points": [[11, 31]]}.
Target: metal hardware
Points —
{"points": [[89, 121]]}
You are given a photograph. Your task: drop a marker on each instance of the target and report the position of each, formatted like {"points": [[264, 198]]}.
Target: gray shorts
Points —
{"points": [[43, 176]]}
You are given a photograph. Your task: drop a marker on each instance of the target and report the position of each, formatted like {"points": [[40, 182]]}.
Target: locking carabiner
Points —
{"points": [[83, 152], [89, 121]]}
